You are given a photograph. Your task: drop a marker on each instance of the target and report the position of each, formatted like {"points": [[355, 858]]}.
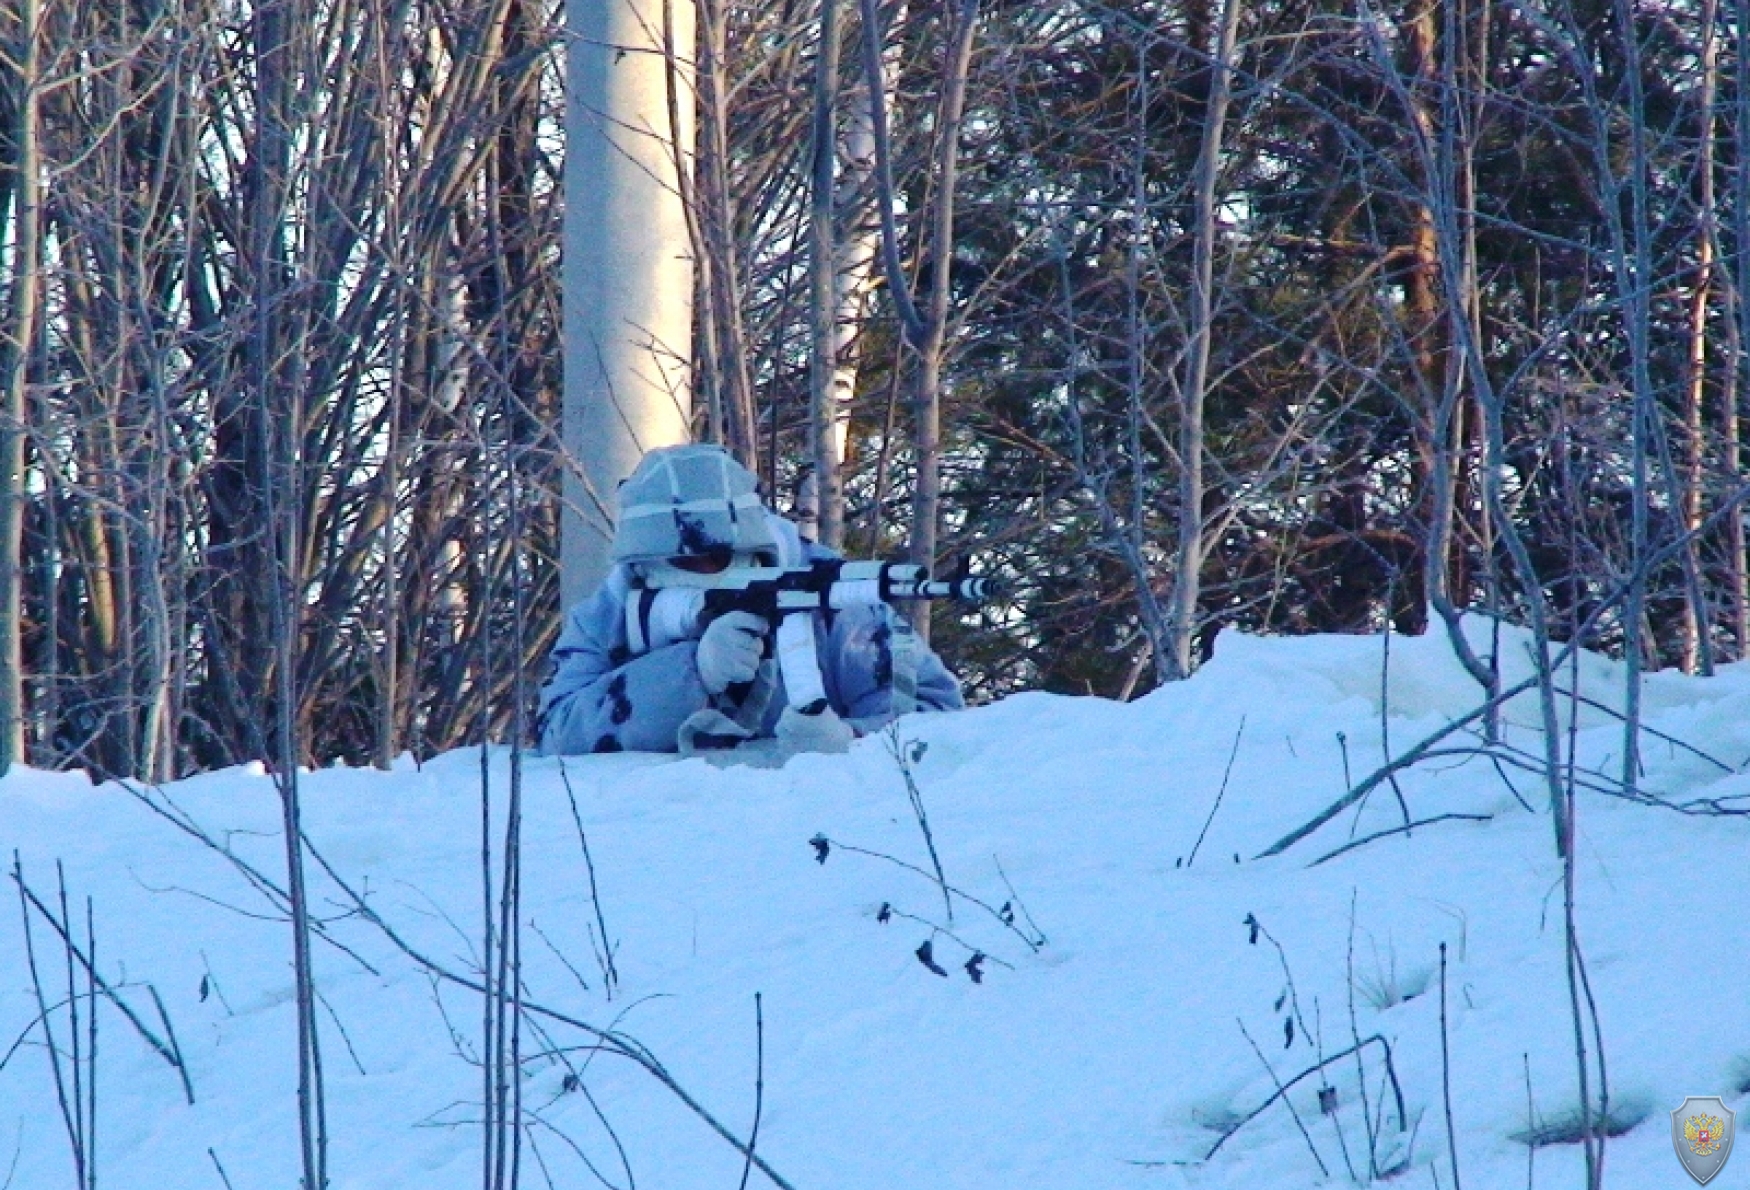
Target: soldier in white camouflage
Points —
{"points": [[713, 687]]}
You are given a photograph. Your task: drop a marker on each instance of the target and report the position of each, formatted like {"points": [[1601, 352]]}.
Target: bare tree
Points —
{"points": [[1188, 574], [724, 372], [15, 352], [822, 508], [1736, 379], [1081, 273], [1697, 629]]}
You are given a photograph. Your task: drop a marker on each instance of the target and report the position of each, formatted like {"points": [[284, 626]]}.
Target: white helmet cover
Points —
{"points": [[689, 500]]}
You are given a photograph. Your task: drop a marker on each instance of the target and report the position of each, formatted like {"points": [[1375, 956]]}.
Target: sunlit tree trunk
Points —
{"points": [[1694, 628], [856, 250], [720, 268], [1187, 585], [821, 510], [628, 267], [16, 351], [1737, 371], [926, 513], [1423, 298], [859, 241]]}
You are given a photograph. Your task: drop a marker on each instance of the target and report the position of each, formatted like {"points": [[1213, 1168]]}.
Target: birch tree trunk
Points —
{"points": [[1695, 629], [856, 250], [1737, 371], [821, 518], [1630, 280], [1430, 355], [1188, 572], [720, 282], [21, 333], [1448, 165], [277, 383], [858, 247], [927, 400]]}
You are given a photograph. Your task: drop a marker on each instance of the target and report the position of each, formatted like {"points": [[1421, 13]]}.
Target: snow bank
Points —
{"points": [[1114, 1055]]}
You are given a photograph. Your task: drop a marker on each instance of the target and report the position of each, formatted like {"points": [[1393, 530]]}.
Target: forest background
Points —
{"points": [[1287, 317]]}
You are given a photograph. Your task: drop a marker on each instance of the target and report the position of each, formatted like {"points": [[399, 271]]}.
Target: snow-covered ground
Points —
{"points": [[1116, 1054]]}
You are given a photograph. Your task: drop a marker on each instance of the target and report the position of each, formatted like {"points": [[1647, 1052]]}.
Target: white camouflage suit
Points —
{"points": [[686, 500]]}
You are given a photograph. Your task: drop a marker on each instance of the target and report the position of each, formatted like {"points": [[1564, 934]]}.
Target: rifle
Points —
{"points": [[668, 604]]}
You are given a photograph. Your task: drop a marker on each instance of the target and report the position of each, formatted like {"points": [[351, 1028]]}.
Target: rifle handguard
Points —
{"points": [[671, 596]]}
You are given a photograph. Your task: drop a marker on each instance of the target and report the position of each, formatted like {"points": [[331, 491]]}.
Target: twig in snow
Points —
{"points": [[898, 749], [210, 983], [1446, 1074], [580, 1154], [759, 1086], [1282, 1093], [613, 1042], [74, 1140], [1257, 928], [948, 934], [344, 1036], [1508, 782], [1282, 1088], [17, 1152], [170, 1034], [1530, 1124], [558, 954], [573, 1081], [91, 1050], [540, 1161], [1016, 901], [1409, 758], [1385, 718], [1669, 739], [81, 1144], [605, 956], [1328, 1093], [1222, 792], [1397, 830], [1007, 921], [276, 896], [169, 1053], [1355, 1036], [223, 1176]]}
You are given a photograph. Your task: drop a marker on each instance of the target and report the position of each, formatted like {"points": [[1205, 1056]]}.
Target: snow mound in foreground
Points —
{"points": [[1144, 983]]}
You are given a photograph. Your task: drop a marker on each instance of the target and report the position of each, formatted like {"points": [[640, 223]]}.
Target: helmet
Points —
{"points": [[690, 499]]}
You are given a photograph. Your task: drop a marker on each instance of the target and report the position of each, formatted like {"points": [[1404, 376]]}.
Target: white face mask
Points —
{"points": [[666, 574]]}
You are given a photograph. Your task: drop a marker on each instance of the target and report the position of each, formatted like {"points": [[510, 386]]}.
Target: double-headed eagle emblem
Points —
{"points": [[1702, 1133], [1701, 1130]]}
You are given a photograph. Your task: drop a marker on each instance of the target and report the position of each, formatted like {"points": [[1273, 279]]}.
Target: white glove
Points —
{"points": [[730, 650], [823, 731]]}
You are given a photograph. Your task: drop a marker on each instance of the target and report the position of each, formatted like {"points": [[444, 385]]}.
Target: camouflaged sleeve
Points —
{"points": [[600, 699], [857, 663]]}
